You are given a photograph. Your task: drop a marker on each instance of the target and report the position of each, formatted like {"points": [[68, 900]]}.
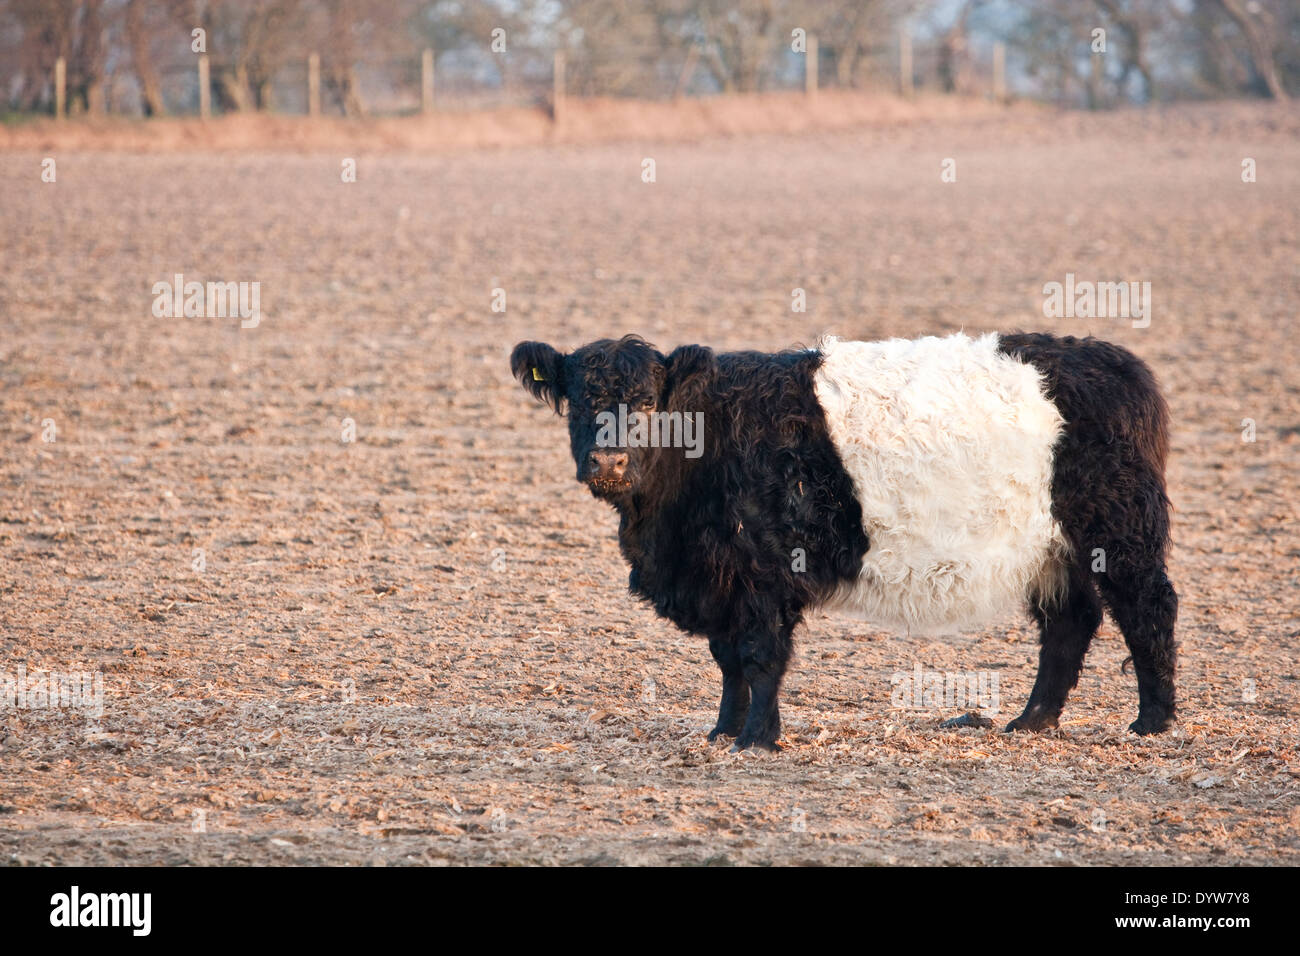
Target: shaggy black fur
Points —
{"points": [[737, 543], [1108, 493], [714, 542]]}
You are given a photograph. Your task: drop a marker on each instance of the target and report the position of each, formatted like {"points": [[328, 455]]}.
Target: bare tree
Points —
{"points": [[1256, 26], [249, 42], [72, 29], [849, 32], [1131, 20], [344, 25], [741, 36], [350, 31], [87, 57], [953, 46], [624, 47], [144, 22]]}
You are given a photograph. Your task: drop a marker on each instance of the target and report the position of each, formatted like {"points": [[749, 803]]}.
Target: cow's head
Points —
{"points": [[603, 386]]}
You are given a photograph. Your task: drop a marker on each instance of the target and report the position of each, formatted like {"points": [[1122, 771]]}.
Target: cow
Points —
{"points": [[926, 484]]}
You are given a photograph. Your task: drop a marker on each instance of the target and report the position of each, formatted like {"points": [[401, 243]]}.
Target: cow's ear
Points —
{"points": [[540, 370], [690, 372]]}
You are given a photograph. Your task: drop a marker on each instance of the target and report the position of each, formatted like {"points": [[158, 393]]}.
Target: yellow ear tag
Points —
{"points": [[537, 376]]}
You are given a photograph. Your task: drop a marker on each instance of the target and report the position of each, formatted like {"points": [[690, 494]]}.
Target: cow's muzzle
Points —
{"points": [[606, 471]]}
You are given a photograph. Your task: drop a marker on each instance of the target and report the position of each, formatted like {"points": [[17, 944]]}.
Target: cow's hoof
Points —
{"points": [[771, 747], [971, 719], [731, 730], [1146, 726], [1032, 723]]}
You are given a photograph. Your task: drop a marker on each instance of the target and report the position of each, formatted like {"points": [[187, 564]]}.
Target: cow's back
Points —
{"points": [[948, 443]]}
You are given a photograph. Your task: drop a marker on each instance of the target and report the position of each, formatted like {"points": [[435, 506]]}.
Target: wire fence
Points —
{"points": [[533, 78]]}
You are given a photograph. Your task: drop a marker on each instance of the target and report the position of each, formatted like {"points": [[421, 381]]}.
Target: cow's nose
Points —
{"points": [[602, 463]]}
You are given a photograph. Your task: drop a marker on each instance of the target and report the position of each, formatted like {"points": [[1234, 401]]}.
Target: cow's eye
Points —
{"points": [[646, 404]]}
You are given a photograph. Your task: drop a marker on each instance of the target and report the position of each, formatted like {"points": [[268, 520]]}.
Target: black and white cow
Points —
{"points": [[926, 484]]}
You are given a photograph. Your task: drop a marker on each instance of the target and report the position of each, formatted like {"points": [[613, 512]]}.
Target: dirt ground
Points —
{"points": [[417, 647], [582, 122]]}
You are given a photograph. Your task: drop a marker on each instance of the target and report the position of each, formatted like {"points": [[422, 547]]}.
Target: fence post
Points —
{"points": [[905, 62], [313, 84], [205, 88], [60, 87], [426, 81], [999, 73], [810, 67], [557, 94]]}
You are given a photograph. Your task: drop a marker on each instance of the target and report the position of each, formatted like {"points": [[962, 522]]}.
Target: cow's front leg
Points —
{"points": [[735, 689], [763, 656]]}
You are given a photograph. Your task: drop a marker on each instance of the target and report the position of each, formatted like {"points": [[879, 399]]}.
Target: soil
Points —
{"points": [[417, 646]]}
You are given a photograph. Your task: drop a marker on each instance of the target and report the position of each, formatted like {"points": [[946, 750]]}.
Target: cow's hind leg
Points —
{"points": [[1145, 606], [735, 689], [1140, 598], [1066, 626]]}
